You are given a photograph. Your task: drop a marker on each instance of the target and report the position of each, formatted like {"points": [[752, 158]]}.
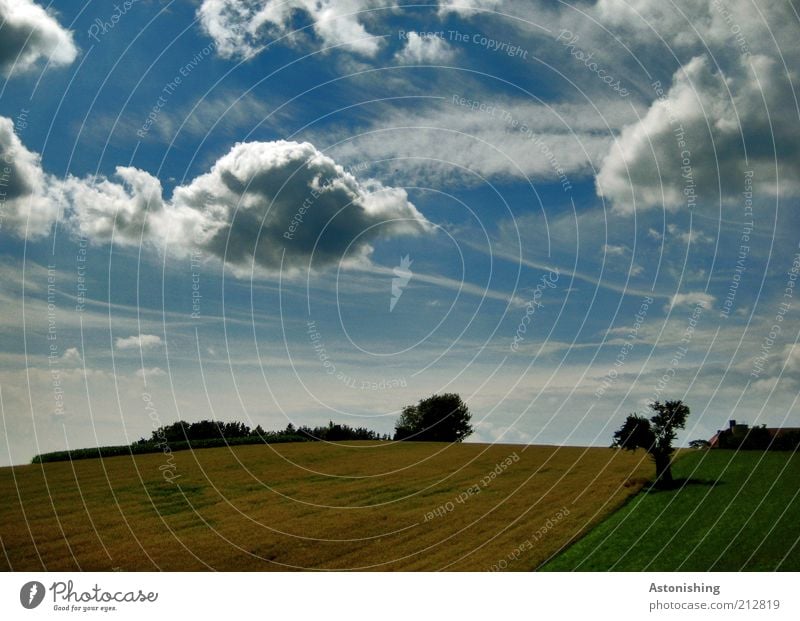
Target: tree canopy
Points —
{"points": [[439, 418], [655, 435]]}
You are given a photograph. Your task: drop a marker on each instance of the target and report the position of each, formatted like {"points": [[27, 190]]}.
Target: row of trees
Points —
{"points": [[446, 418], [183, 431], [439, 418]]}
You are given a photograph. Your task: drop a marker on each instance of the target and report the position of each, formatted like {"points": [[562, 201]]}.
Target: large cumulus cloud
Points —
{"points": [[728, 108], [264, 199], [263, 206], [696, 144], [27, 34]]}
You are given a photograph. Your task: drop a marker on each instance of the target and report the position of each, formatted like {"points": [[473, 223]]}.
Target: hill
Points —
{"points": [[358, 505], [735, 512]]}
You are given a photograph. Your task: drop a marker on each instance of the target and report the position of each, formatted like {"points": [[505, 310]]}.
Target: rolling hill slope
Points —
{"points": [[407, 506]]}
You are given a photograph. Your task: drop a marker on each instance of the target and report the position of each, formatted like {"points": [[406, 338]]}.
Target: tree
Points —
{"points": [[655, 435], [439, 418], [699, 444]]}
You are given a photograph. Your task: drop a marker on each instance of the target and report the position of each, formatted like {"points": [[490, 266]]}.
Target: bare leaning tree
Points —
{"points": [[655, 435]]}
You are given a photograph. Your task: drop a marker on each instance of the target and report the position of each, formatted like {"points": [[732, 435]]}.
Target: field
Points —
{"points": [[737, 511], [408, 506]]}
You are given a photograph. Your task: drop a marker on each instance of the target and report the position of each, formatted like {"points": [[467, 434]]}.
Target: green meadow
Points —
{"points": [[732, 512]]}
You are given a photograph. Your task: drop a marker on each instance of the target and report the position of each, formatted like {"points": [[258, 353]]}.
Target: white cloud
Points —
{"points": [[29, 33], [424, 49], [736, 67], [71, 356], [269, 204], [27, 208], [467, 7], [240, 28], [493, 137], [615, 251], [104, 208], [150, 372], [694, 236], [728, 102], [692, 298], [261, 206], [714, 115], [791, 354], [141, 341]]}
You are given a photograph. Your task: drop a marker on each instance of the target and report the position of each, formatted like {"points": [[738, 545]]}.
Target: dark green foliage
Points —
{"points": [[699, 444], [655, 435], [789, 441], [140, 447], [181, 436], [336, 433], [760, 439], [439, 418]]}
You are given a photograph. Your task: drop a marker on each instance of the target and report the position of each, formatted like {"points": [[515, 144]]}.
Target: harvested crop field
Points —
{"points": [[380, 506]]}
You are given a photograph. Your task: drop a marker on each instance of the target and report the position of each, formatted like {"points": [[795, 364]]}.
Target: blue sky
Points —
{"points": [[597, 202]]}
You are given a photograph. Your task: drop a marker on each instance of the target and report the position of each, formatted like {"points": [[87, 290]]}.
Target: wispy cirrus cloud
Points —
{"points": [[139, 341]]}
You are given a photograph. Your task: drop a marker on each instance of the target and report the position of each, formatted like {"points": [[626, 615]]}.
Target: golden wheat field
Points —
{"points": [[355, 506]]}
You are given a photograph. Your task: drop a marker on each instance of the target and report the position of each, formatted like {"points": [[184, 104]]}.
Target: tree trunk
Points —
{"points": [[663, 471]]}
